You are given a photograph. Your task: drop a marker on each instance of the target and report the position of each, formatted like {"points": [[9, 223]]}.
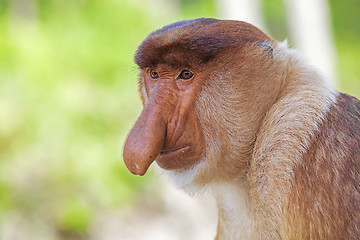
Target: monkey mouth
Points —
{"points": [[179, 150], [178, 158]]}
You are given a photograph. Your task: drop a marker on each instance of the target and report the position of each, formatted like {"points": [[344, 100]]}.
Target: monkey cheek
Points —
{"points": [[186, 152]]}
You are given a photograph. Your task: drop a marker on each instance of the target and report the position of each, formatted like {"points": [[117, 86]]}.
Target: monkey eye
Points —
{"points": [[186, 75], [154, 74]]}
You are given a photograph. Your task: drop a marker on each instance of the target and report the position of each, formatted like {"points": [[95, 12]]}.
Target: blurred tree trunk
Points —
{"points": [[310, 30], [168, 8], [23, 16], [24, 10], [244, 10]]}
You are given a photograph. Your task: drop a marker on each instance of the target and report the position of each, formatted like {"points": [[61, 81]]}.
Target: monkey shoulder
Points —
{"points": [[326, 185]]}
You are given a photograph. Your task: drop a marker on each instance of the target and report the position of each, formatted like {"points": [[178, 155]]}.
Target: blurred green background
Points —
{"points": [[68, 97]]}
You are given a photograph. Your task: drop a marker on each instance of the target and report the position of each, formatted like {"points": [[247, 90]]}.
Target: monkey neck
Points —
{"points": [[249, 205], [288, 125], [236, 219]]}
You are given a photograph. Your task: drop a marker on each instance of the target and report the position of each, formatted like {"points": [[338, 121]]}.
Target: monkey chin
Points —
{"points": [[181, 166], [185, 179]]}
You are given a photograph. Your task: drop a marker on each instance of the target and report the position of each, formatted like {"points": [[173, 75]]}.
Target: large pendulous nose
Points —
{"points": [[146, 139]]}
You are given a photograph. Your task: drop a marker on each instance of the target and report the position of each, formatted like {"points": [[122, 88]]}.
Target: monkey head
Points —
{"points": [[205, 85]]}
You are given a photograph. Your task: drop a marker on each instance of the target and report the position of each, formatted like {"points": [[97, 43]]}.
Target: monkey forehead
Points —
{"points": [[197, 40], [181, 24]]}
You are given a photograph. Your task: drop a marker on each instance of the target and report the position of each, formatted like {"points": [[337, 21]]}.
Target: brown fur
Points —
{"points": [[268, 137], [195, 44], [323, 202]]}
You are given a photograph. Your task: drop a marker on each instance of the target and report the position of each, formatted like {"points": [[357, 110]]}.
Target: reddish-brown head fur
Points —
{"points": [[197, 40]]}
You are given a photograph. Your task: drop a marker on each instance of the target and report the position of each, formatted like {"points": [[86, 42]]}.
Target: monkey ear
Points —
{"points": [[267, 47]]}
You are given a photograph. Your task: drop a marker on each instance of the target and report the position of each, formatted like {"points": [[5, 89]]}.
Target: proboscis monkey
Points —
{"points": [[230, 110]]}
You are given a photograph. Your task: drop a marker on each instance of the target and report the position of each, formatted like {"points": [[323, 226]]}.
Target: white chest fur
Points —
{"points": [[235, 215]]}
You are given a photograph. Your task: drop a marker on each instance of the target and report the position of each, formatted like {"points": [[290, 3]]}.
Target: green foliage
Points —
{"points": [[68, 97], [346, 25], [198, 8], [74, 217], [345, 19], [275, 19]]}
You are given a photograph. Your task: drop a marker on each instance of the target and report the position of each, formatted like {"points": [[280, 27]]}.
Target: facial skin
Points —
{"points": [[168, 126], [173, 75]]}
